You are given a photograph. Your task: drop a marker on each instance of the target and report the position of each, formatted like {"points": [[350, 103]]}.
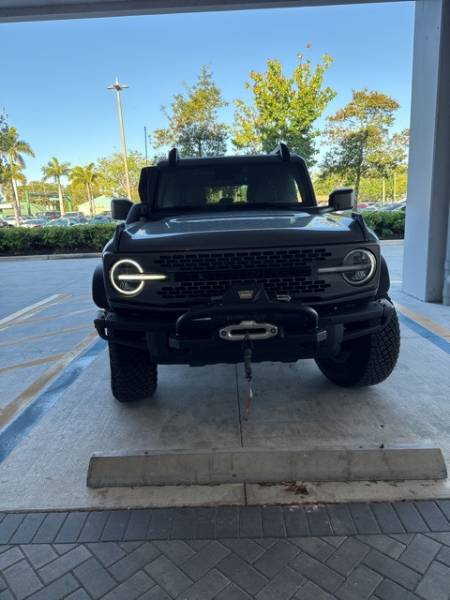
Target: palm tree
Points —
{"points": [[55, 170], [88, 177], [12, 148], [13, 173]]}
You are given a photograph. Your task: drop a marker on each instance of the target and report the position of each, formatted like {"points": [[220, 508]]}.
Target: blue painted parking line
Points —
{"points": [[14, 433], [432, 337]]}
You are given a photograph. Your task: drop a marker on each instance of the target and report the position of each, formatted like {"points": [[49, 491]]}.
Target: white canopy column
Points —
{"points": [[427, 239]]}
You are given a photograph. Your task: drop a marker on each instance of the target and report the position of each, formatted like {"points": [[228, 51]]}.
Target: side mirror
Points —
{"points": [[120, 207], [342, 199]]}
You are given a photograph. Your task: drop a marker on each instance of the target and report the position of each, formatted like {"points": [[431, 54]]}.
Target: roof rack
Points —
{"points": [[173, 157], [283, 152]]}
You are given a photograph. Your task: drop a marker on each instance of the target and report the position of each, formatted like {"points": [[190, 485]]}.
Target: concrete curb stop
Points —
{"points": [[209, 467]]}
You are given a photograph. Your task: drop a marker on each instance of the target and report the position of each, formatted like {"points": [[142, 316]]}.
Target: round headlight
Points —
{"points": [[359, 267], [125, 285]]}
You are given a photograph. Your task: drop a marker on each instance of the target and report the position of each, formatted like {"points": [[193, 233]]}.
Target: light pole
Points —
{"points": [[145, 142], [118, 87]]}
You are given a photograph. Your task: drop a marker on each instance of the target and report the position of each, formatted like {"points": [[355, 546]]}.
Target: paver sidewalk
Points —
{"points": [[382, 551]]}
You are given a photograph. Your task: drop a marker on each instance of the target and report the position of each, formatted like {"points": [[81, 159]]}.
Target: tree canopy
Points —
{"points": [[357, 136], [86, 176], [284, 108], [361, 150], [12, 151], [193, 120], [55, 169], [113, 176]]}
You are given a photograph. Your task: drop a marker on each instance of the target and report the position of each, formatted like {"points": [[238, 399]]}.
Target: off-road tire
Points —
{"points": [[367, 360], [133, 374]]}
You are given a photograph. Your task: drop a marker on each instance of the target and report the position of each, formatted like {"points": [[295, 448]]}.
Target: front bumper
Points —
{"points": [[194, 337]]}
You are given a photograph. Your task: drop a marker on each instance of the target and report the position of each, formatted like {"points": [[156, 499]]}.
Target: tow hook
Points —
{"points": [[247, 356], [248, 330]]}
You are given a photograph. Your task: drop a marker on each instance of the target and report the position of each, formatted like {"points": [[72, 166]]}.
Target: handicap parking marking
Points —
{"points": [[25, 314], [31, 338], [436, 328], [52, 317], [27, 309], [19, 424], [32, 363], [13, 408], [431, 331]]}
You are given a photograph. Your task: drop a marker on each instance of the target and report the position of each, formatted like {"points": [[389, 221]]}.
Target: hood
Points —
{"points": [[239, 230]]}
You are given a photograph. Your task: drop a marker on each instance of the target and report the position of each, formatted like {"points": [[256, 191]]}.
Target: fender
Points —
{"points": [[385, 280], [98, 288]]}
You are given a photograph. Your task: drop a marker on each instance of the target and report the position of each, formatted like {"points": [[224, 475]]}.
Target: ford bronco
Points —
{"points": [[229, 260]]}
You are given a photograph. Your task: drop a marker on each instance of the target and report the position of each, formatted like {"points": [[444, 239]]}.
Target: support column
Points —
{"points": [[427, 213]]}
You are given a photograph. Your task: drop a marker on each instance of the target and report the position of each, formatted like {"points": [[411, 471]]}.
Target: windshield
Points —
{"points": [[225, 186]]}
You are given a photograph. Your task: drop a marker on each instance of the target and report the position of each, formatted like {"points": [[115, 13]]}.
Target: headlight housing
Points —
{"points": [[128, 277], [359, 266]]}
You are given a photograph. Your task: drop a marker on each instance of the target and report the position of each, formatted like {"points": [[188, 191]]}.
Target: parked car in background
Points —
{"points": [[11, 221], [398, 206], [368, 208], [77, 215], [4, 223], [62, 222], [49, 215], [33, 223], [100, 220]]}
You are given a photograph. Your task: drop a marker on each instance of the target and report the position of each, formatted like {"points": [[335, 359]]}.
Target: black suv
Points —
{"points": [[230, 259]]}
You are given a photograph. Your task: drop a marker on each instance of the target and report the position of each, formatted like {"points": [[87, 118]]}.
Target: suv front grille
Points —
{"points": [[251, 259], [202, 276]]}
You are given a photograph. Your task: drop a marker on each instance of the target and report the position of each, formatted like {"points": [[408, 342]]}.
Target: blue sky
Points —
{"points": [[54, 78]]}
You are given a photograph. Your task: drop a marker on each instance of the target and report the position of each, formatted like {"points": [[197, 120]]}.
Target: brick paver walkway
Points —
{"points": [[382, 551]]}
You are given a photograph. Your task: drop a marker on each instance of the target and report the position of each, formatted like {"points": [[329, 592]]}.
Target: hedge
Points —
{"points": [[55, 240], [92, 238], [386, 224]]}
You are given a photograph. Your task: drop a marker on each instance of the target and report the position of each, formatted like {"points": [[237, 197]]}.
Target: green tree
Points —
{"points": [[193, 125], [113, 177], [55, 170], [12, 150], [284, 108], [390, 160], [356, 133], [86, 177]]}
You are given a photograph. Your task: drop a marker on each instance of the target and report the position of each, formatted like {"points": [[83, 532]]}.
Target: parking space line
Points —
{"points": [[54, 317], [19, 425], [41, 336], [32, 363], [431, 331], [15, 406], [419, 318], [28, 309]]}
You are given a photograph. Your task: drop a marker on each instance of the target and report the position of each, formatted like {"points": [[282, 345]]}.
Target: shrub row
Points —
{"points": [[92, 238], [386, 224], [55, 240]]}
